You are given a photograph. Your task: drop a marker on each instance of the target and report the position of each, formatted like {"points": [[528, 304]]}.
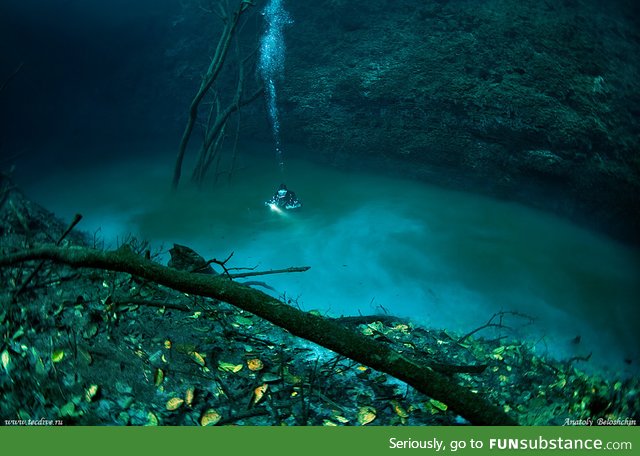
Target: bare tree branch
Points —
{"points": [[490, 323], [210, 77]]}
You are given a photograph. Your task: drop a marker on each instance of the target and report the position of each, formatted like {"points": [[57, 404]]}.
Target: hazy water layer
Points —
{"points": [[442, 258]]}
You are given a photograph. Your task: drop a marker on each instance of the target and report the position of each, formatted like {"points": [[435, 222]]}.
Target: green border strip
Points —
{"points": [[246, 440]]}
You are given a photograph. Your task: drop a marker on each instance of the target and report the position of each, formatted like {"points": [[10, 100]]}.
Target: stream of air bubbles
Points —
{"points": [[271, 64]]}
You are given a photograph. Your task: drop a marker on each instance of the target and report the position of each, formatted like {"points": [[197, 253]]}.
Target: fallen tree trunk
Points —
{"points": [[326, 332]]}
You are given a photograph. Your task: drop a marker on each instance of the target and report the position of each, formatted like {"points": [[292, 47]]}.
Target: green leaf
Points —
{"points": [[68, 409], [57, 355]]}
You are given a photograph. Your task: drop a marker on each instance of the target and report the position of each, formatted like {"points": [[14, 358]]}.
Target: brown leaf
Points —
{"points": [[255, 364], [258, 393]]}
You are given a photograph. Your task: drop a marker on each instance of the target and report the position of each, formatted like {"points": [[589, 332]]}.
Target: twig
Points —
{"points": [[148, 303], [270, 271], [243, 416], [74, 222], [491, 324], [579, 358], [222, 263]]}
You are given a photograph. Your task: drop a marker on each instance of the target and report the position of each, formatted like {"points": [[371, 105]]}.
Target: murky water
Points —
{"points": [[375, 244]]}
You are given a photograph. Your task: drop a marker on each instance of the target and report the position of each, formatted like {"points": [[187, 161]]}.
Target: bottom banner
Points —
{"points": [[320, 440]]}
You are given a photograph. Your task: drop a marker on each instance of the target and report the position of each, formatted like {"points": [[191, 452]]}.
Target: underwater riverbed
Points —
{"points": [[377, 244]]}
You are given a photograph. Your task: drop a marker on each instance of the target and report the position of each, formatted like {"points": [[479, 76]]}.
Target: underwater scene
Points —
{"points": [[330, 213]]}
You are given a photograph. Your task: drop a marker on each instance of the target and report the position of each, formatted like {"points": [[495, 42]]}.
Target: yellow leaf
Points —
{"points": [[366, 415], [258, 393], [255, 364], [326, 422], [174, 403], [402, 328], [210, 418], [400, 411], [90, 392], [57, 356], [5, 358], [188, 396], [339, 418], [167, 344], [367, 331], [198, 358], [229, 367], [376, 326]]}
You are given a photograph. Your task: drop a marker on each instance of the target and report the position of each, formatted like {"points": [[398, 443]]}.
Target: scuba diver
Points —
{"points": [[284, 198]]}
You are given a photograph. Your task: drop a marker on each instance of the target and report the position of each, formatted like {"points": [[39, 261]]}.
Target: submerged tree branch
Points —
{"points": [[270, 271], [210, 77], [326, 332]]}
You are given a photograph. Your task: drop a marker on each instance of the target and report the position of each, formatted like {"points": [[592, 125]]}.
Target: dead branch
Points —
{"points": [[270, 271], [221, 263], [579, 358], [491, 324], [207, 81], [323, 331]]}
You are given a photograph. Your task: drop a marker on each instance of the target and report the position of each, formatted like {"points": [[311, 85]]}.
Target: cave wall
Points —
{"points": [[528, 100]]}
